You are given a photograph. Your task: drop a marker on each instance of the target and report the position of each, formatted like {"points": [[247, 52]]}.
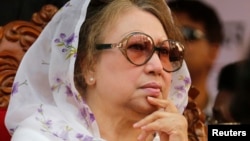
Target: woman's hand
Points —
{"points": [[167, 122]]}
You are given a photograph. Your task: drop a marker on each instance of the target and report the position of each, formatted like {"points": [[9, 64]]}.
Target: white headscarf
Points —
{"points": [[45, 104]]}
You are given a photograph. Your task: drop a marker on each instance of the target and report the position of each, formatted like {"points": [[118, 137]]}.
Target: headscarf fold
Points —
{"points": [[44, 102]]}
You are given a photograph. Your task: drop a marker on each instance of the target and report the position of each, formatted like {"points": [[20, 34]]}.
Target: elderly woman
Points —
{"points": [[103, 70]]}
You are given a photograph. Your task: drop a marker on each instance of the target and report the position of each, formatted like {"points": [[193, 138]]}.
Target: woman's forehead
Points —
{"points": [[138, 21]]}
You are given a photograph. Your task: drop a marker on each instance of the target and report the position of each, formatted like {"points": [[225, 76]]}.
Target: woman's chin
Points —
{"points": [[146, 109], [142, 107]]}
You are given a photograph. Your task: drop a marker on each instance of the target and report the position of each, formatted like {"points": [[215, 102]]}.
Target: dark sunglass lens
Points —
{"points": [[171, 55], [192, 34], [176, 55], [188, 33]]}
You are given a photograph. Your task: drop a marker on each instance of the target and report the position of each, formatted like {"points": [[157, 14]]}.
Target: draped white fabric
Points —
{"points": [[45, 104]]}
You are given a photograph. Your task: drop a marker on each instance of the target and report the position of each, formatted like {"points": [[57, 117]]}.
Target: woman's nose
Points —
{"points": [[154, 64]]}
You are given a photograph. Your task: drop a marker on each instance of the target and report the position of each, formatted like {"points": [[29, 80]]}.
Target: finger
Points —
{"points": [[172, 125], [144, 135], [165, 105], [151, 118], [165, 124], [161, 120], [176, 125]]}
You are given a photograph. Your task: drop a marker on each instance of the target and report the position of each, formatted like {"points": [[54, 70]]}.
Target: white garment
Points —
{"points": [[45, 104]]}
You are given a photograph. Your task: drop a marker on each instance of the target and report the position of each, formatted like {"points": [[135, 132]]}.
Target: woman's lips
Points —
{"points": [[152, 89]]}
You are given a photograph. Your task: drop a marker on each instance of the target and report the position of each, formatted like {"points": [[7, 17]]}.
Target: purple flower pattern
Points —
{"points": [[65, 43], [16, 85], [181, 88], [69, 92], [88, 116], [59, 83], [47, 127], [84, 113], [81, 137]]}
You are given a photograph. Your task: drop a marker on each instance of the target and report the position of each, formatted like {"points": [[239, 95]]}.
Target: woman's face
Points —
{"points": [[122, 86]]}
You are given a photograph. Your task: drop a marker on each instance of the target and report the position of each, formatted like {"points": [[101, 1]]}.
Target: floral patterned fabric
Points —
{"points": [[45, 104]]}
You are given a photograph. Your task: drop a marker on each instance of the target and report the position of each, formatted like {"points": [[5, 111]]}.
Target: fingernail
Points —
{"points": [[135, 125]]}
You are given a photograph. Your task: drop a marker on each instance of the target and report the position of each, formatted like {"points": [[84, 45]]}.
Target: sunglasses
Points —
{"points": [[138, 48], [191, 34]]}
